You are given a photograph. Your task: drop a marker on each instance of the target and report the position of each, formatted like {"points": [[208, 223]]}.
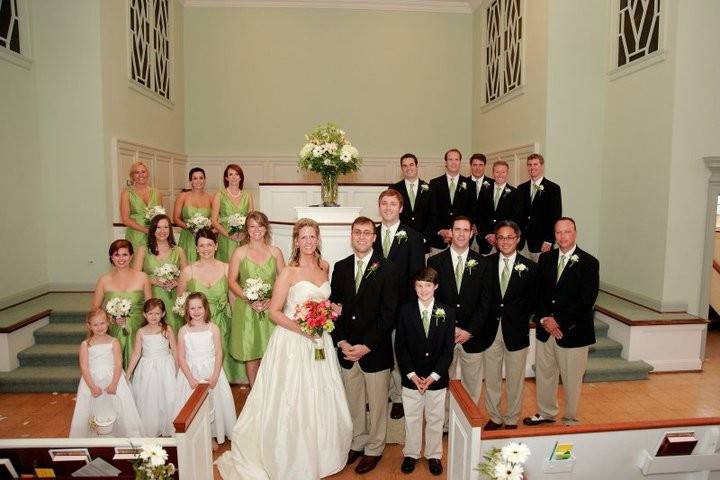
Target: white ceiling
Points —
{"points": [[446, 6]]}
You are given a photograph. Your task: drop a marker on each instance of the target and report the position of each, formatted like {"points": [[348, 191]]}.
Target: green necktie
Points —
{"points": [[452, 190], [358, 275], [505, 277], [412, 196], [535, 189], [561, 267], [386, 243], [496, 197], [458, 272], [478, 187], [426, 321]]}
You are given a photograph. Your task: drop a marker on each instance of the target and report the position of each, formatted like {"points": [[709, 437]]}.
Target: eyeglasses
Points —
{"points": [[501, 238], [363, 233]]}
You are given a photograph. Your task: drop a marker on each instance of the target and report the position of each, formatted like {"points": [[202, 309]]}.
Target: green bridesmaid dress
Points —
{"points": [[137, 213], [251, 330], [150, 263], [187, 238], [126, 334], [217, 295], [227, 246]]}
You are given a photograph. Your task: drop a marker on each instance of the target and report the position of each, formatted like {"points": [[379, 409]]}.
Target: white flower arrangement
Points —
{"points": [[256, 289], [151, 464], [470, 264], [424, 187], [179, 307], [152, 212], [119, 307], [505, 463], [401, 236], [198, 221], [236, 223], [328, 152], [167, 272]]}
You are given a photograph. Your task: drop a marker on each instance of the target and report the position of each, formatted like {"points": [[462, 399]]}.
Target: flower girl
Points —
{"points": [[153, 382], [104, 403], [200, 358]]}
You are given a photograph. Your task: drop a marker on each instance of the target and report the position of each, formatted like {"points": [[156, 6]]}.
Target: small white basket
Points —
{"points": [[104, 425]]}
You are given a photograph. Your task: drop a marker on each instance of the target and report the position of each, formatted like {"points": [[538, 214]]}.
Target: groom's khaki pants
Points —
{"points": [[370, 388]]}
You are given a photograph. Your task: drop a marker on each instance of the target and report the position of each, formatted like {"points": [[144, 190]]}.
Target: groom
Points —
{"points": [[364, 285]]}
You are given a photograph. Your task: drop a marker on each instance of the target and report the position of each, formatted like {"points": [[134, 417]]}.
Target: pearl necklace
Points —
{"points": [[233, 196]]}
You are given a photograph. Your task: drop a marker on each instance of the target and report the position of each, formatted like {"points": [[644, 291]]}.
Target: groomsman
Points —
{"points": [[507, 329], [482, 182], [464, 285], [542, 206], [404, 247], [568, 280], [502, 202], [450, 197], [365, 287], [416, 196]]}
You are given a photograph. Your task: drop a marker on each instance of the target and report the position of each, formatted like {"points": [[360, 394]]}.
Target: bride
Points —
{"points": [[295, 423]]}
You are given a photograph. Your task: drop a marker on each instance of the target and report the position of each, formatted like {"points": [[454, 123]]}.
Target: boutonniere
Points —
{"points": [[506, 191], [401, 236], [520, 268], [424, 187], [541, 188], [462, 186], [485, 184], [472, 263], [372, 269], [439, 315], [574, 258]]}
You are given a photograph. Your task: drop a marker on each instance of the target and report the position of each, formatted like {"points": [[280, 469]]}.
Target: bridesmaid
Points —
{"points": [[209, 276], [251, 327], [161, 249], [134, 200], [228, 201], [187, 204], [123, 282]]}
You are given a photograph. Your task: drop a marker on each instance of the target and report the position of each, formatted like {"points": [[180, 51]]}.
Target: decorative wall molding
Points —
{"points": [[436, 6], [516, 157]]}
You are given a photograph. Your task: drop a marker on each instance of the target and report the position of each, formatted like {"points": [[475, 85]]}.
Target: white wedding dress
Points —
{"points": [[295, 423]]}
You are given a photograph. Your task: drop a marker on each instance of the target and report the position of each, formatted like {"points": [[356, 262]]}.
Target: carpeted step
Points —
{"points": [[601, 328], [67, 316], [55, 354], [604, 369], [606, 347], [61, 332], [40, 379]]}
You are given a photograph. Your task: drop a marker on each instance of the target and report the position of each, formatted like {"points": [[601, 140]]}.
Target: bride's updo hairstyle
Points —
{"points": [[295, 254]]}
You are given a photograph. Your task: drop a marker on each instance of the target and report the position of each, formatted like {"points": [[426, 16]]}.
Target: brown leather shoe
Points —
{"points": [[490, 425], [353, 455], [367, 463], [397, 412]]}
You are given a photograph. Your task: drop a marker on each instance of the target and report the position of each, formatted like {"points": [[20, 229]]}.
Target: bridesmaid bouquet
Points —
{"points": [[198, 221], [119, 307], [236, 223], [256, 289], [314, 318], [152, 212], [179, 307], [166, 274]]}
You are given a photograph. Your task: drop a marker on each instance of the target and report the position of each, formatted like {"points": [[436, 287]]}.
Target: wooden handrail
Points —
{"points": [[599, 427], [191, 407], [471, 411]]}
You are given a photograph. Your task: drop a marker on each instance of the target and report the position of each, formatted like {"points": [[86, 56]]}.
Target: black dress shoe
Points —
{"points": [[435, 466], [537, 419], [510, 427], [367, 463], [397, 412], [490, 425], [408, 465], [352, 456]]}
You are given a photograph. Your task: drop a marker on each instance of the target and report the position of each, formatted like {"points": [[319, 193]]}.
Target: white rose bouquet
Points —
{"points": [[198, 221], [152, 212], [236, 223], [166, 275], [256, 289], [119, 308], [179, 307]]}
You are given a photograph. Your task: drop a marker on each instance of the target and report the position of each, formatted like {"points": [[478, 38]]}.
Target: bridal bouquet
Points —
{"points": [[179, 307], [314, 318], [152, 212], [236, 223], [198, 221], [151, 464], [119, 307], [256, 289], [166, 274], [505, 463]]}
